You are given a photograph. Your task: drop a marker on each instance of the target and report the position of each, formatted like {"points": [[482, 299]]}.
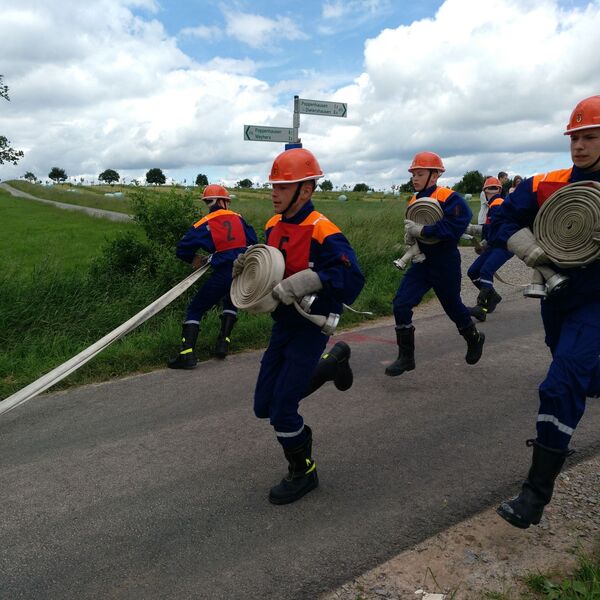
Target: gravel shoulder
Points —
{"points": [[485, 554]]}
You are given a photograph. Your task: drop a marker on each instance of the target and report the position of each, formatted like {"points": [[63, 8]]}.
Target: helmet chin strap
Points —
{"points": [[294, 198]]}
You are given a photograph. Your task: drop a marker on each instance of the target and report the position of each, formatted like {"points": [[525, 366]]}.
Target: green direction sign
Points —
{"points": [[320, 107], [262, 133]]}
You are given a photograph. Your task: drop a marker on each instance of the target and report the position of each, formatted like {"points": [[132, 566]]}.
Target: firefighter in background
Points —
{"points": [[440, 270], [493, 255], [318, 258], [223, 234], [571, 321]]}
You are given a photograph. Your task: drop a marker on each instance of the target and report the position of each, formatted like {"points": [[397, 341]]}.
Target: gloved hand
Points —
{"points": [[481, 247], [412, 228], [524, 245], [199, 261], [296, 286], [238, 264], [474, 230]]}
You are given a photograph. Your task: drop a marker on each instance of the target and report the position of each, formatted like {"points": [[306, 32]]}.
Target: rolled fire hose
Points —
{"points": [[567, 228], [62, 371], [424, 211], [264, 267]]}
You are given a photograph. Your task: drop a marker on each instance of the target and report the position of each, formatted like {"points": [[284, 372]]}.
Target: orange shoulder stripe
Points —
{"points": [[212, 215], [441, 194], [273, 221], [497, 202], [323, 227], [560, 176]]}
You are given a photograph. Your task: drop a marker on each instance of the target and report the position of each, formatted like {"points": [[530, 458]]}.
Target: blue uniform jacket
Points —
{"points": [[519, 210], [328, 253], [224, 243], [457, 215]]}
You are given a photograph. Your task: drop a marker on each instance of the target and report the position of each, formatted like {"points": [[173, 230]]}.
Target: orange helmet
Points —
{"points": [[427, 160], [492, 182], [295, 165], [586, 115], [214, 192]]}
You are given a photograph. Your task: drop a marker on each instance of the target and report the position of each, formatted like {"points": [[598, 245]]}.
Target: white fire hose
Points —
{"points": [[567, 229], [62, 371], [424, 211], [264, 267]]}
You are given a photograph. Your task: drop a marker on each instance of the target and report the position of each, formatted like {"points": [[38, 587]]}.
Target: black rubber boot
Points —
{"points": [[333, 366], [483, 304], [406, 352], [527, 508], [186, 357], [494, 300], [475, 340], [302, 474], [222, 346]]}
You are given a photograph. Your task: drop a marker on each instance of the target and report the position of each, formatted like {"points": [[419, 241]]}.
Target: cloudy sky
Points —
{"points": [[136, 84]]}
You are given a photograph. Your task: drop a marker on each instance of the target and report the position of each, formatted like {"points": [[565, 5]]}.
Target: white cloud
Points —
{"points": [[342, 15], [489, 85], [260, 32], [204, 32]]}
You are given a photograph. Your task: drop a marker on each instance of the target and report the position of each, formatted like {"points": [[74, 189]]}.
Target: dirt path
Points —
{"points": [[484, 553]]}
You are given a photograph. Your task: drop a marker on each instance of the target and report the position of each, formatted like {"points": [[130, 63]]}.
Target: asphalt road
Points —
{"points": [[88, 210], [155, 486]]}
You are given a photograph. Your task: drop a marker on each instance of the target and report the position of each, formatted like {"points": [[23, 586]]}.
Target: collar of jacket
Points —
{"points": [[427, 193], [300, 215]]}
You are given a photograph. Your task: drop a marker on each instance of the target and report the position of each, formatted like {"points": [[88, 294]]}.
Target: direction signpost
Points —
{"points": [[263, 133], [289, 135], [321, 107]]}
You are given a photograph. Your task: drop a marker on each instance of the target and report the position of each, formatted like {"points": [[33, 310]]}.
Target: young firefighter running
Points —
{"points": [[224, 234], [440, 270], [493, 254], [318, 258], [571, 319]]}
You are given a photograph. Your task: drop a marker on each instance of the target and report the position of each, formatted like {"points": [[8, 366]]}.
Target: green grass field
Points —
{"points": [[51, 308]]}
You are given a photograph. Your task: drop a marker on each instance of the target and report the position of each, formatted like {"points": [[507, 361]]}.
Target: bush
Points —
{"points": [[164, 218]]}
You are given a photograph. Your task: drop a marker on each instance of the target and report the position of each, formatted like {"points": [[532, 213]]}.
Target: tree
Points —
{"points": [[57, 175], [361, 187], [156, 176], [471, 183], [326, 185], [407, 188], [201, 179], [7, 153], [30, 176], [244, 183], [109, 176]]}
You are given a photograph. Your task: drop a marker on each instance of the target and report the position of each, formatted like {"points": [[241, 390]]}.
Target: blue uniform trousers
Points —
{"points": [[573, 337], [215, 289], [482, 271], [442, 273], [286, 369]]}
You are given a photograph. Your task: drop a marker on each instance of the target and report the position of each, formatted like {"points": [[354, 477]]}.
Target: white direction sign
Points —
{"points": [[263, 133], [320, 107]]}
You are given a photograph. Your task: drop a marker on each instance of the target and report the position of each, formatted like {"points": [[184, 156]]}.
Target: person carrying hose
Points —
{"points": [[492, 257], [224, 234], [571, 316], [440, 270], [318, 258]]}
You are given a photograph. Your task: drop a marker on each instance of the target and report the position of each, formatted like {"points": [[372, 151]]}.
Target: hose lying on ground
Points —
{"points": [[424, 211], [264, 268], [62, 371]]}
